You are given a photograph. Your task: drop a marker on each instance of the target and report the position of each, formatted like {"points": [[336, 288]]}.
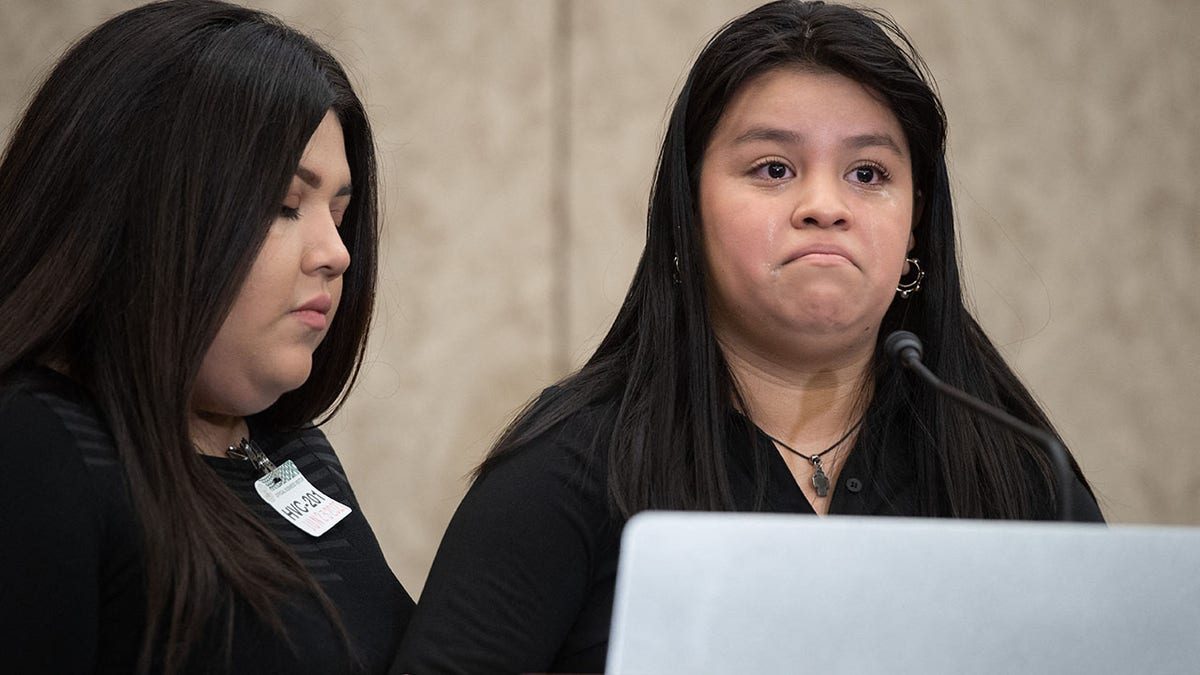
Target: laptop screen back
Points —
{"points": [[769, 593]]}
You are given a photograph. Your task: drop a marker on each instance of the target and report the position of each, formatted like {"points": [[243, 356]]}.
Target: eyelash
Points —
{"points": [[289, 213], [883, 174], [761, 164]]}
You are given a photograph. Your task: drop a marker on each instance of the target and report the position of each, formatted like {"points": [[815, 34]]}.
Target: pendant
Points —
{"points": [[820, 480]]}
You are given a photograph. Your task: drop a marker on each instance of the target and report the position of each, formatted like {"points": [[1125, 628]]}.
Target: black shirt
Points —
{"points": [[524, 578], [72, 572]]}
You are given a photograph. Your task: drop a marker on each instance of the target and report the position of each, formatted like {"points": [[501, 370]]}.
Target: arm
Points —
{"points": [[49, 588], [516, 566]]}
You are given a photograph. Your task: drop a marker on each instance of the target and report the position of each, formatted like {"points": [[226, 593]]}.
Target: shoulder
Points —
{"points": [[557, 427], [549, 491], [530, 549], [570, 454], [553, 479], [50, 426], [1084, 507], [58, 452], [1045, 488]]}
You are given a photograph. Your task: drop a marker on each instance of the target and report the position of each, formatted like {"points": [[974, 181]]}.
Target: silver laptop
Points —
{"points": [[768, 593]]}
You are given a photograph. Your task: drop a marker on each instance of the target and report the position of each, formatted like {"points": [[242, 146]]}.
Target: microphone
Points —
{"points": [[904, 348]]}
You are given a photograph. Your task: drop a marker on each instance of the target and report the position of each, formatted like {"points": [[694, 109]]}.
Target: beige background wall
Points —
{"points": [[518, 138]]}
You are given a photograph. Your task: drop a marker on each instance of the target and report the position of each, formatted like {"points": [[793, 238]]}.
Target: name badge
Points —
{"points": [[306, 507], [287, 491]]}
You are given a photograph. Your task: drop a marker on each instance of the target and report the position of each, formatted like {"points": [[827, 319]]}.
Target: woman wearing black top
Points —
{"points": [[800, 213], [188, 225]]}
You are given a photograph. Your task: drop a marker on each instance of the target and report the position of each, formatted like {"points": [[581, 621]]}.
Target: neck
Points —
{"points": [[806, 405], [212, 434]]}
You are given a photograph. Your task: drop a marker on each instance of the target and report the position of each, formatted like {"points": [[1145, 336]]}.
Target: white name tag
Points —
{"points": [[306, 507]]}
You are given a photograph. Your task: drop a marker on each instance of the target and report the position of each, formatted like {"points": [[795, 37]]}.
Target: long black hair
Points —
{"points": [[661, 362], [135, 194]]}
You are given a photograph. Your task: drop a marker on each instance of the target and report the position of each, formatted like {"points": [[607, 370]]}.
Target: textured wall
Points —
{"points": [[518, 138]]}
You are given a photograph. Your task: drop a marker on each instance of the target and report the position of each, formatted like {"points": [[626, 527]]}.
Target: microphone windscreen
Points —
{"points": [[901, 341]]}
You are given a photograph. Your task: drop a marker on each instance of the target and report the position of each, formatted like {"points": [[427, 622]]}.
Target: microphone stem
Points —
{"points": [[1058, 454]]}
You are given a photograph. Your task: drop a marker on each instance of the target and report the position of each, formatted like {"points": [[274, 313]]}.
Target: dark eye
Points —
{"points": [[772, 171], [868, 174]]}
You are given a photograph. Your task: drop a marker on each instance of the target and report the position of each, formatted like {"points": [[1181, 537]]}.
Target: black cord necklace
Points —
{"points": [[820, 480]]}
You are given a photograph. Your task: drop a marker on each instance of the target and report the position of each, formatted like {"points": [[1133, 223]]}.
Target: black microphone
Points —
{"points": [[904, 348]]}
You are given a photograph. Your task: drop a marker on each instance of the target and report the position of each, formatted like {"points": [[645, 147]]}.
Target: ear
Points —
{"points": [[918, 210]]}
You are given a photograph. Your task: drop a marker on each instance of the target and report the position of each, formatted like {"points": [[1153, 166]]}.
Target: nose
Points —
{"points": [[821, 203], [326, 252]]}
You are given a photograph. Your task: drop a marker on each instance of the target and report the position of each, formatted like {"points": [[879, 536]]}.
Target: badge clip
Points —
{"points": [[249, 452]]}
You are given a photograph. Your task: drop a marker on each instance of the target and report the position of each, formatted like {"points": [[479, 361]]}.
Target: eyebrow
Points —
{"points": [[770, 134], [776, 135], [874, 141], [308, 176]]}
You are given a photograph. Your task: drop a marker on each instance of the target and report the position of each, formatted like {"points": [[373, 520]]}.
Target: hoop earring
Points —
{"points": [[675, 274], [907, 288]]}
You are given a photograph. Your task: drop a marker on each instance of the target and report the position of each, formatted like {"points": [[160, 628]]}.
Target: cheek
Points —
{"points": [[890, 230], [728, 252], [739, 235], [218, 372], [887, 243]]}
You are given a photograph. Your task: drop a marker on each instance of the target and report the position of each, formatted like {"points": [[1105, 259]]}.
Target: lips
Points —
{"points": [[820, 252], [315, 312]]}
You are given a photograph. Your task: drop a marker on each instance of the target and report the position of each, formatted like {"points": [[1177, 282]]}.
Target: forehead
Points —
{"points": [[814, 103], [325, 153]]}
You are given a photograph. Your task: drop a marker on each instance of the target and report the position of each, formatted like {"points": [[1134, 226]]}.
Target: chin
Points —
{"points": [[293, 381], [286, 378], [824, 318]]}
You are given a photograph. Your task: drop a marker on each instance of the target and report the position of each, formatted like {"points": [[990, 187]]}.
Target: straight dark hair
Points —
{"points": [[661, 362], [135, 194]]}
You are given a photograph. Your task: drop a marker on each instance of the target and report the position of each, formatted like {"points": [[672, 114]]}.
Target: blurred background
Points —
{"points": [[517, 140]]}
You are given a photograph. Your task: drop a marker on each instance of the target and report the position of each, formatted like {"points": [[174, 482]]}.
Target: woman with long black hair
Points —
{"points": [[188, 222], [801, 212]]}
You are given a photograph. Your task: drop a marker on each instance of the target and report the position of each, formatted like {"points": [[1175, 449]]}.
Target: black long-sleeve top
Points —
{"points": [[524, 578], [72, 586]]}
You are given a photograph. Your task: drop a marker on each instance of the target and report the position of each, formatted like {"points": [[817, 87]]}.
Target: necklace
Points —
{"points": [[820, 480]]}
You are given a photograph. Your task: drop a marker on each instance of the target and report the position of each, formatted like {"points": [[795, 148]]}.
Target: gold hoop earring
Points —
{"points": [[907, 288]]}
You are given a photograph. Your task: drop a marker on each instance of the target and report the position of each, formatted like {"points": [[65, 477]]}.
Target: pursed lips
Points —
{"points": [[818, 252]]}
